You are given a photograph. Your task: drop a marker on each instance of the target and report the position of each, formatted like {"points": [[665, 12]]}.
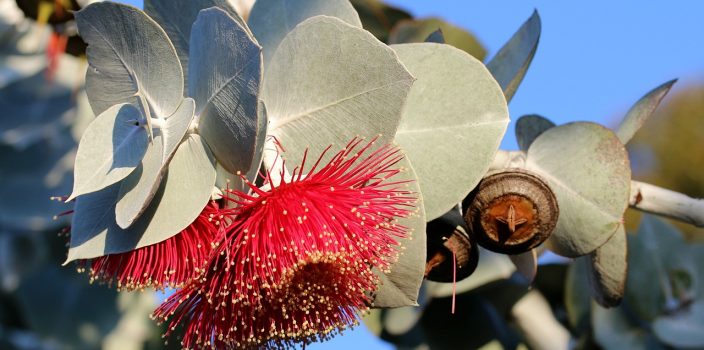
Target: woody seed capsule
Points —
{"points": [[448, 240], [511, 212]]}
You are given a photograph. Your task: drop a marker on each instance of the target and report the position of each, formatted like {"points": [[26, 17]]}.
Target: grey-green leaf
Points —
{"points": [[436, 37], [607, 270], [400, 287], [510, 64], [453, 123], [94, 310], [641, 111], [529, 127], [137, 190], [398, 321], [578, 301], [682, 330], [30, 177], [656, 251], [225, 178], [330, 82], [110, 149], [644, 270], [20, 254], [131, 60], [33, 109], [180, 199], [697, 254], [272, 20], [614, 330], [587, 167], [225, 74], [177, 17]]}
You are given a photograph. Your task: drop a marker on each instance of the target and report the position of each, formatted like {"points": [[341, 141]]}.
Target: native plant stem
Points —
{"points": [[508, 159], [661, 201], [645, 197], [157, 122], [535, 320], [193, 126], [148, 116]]}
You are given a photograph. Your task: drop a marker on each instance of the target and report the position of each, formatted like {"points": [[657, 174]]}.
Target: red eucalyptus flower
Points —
{"points": [[170, 263], [296, 262]]}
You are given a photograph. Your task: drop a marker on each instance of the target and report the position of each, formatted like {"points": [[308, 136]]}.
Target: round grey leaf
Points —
{"points": [[272, 20], [111, 148], [453, 122], [137, 190], [225, 75], [330, 82], [587, 167], [181, 197], [131, 59]]}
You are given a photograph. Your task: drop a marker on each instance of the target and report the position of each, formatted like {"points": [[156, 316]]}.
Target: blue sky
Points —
{"points": [[595, 59]]}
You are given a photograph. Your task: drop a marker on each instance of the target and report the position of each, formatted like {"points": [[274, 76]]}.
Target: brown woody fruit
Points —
{"points": [[447, 235], [511, 212]]}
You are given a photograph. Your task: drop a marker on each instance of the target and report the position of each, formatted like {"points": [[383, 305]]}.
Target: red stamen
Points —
{"points": [[297, 262], [170, 263]]}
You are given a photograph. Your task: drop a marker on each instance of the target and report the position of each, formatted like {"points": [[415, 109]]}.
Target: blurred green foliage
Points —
{"points": [[395, 26], [44, 305], [663, 306]]}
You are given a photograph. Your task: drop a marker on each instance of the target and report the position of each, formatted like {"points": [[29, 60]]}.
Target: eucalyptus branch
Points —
{"points": [[535, 320], [508, 159], [193, 126], [656, 200]]}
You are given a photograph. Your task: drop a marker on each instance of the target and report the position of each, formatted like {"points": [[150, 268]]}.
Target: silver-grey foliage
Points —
{"points": [[111, 148], [137, 190], [225, 73], [272, 20], [401, 286], [453, 122], [511, 63], [177, 203], [529, 127], [587, 167], [131, 60], [330, 82], [177, 17], [641, 111]]}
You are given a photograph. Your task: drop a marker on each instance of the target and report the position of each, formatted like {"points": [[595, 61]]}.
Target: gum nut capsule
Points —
{"points": [[511, 211], [448, 239]]}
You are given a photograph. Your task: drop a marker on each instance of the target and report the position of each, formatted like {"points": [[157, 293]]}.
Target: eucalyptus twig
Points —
{"points": [[664, 202], [535, 320], [508, 159]]}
